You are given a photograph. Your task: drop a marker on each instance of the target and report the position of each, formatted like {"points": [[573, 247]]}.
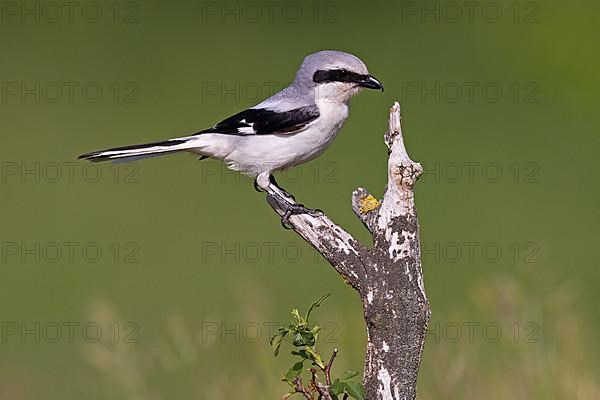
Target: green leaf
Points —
{"points": [[355, 389], [294, 371], [277, 339], [336, 388], [304, 338], [316, 304], [349, 374], [302, 353], [299, 320], [315, 357]]}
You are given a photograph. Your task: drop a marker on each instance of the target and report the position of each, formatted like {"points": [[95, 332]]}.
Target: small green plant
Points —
{"points": [[303, 337]]}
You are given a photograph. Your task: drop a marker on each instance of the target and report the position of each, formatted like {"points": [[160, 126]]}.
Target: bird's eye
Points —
{"points": [[344, 74], [320, 76]]}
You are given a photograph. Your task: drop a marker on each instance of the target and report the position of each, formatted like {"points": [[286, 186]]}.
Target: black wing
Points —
{"points": [[262, 121]]}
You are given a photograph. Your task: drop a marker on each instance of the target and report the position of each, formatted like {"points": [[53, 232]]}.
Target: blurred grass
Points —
{"points": [[179, 205]]}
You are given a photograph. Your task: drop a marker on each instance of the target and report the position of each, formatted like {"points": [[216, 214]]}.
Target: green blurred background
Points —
{"points": [[171, 272]]}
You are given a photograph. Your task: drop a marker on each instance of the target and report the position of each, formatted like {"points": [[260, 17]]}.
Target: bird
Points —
{"points": [[293, 126]]}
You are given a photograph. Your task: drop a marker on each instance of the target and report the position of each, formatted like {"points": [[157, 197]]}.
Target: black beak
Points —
{"points": [[370, 82]]}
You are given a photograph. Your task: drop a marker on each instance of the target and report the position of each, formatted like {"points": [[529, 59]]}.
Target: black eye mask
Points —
{"points": [[337, 75], [343, 75]]}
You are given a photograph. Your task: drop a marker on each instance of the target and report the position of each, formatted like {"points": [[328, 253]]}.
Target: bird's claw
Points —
{"points": [[285, 220], [291, 209], [298, 209]]}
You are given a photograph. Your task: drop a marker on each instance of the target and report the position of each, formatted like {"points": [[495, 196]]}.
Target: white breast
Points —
{"points": [[315, 140]]}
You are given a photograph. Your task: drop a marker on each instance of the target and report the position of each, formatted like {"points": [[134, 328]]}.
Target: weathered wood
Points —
{"points": [[388, 276]]}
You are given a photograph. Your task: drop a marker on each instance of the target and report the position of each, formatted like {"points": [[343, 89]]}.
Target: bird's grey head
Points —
{"points": [[334, 76]]}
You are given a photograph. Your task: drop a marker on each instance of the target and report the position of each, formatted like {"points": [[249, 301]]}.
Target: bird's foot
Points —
{"points": [[290, 209], [273, 184], [282, 190], [288, 194]]}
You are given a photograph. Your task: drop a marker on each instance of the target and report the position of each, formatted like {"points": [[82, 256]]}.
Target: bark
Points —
{"points": [[388, 276]]}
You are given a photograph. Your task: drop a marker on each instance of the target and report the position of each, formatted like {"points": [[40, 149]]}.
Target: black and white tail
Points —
{"points": [[139, 151]]}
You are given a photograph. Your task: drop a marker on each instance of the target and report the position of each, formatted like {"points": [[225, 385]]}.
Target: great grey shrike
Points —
{"points": [[289, 128]]}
